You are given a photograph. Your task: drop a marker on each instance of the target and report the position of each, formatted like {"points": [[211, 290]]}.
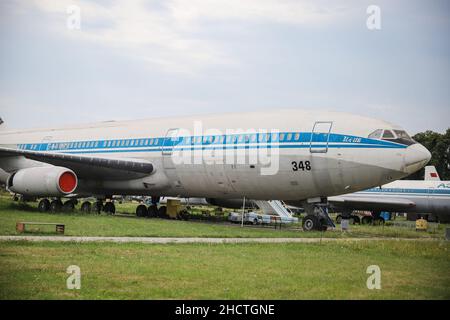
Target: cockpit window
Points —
{"points": [[376, 134], [398, 136], [403, 137], [388, 134], [401, 134]]}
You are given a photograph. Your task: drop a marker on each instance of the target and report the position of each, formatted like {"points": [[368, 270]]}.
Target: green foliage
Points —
{"points": [[439, 146]]}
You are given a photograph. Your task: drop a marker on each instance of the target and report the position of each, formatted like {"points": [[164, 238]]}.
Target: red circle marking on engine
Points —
{"points": [[67, 182]]}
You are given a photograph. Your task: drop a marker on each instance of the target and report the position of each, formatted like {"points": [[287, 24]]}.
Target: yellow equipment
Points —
{"points": [[173, 208], [421, 224]]}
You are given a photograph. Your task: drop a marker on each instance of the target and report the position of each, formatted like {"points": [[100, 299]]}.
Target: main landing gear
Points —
{"points": [[45, 205], [317, 217], [56, 205], [152, 211]]}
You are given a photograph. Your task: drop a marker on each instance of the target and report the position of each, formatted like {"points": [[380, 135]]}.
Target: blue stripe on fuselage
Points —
{"points": [[408, 191], [262, 140]]}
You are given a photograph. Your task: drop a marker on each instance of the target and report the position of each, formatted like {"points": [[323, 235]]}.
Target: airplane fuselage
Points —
{"points": [[286, 155]]}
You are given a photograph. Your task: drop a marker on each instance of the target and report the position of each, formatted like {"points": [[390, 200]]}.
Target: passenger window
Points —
{"points": [[297, 136], [289, 136]]}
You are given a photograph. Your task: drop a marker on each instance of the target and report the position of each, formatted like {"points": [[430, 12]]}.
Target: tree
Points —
{"points": [[439, 146]]}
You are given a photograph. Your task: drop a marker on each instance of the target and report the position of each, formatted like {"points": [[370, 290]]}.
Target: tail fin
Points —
{"points": [[431, 174]]}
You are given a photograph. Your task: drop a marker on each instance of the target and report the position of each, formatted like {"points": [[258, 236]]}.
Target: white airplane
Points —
{"points": [[295, 155], [410, 196]]}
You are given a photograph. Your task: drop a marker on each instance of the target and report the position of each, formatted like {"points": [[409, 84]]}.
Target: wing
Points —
{"points": [[88, 166], [371, 203]]}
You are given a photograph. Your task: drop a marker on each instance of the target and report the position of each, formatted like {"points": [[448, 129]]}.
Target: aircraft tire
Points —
{"points": [[86, 207], [356, 220], [152, 211], [162, 212], [366, 220], [56, 206], [44, 205], [98, 207], [311, 223], [68, 206], [109, 208], [141, 211]]}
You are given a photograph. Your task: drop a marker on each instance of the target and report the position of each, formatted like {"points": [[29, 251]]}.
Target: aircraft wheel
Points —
{"points": [[98, 207], [162, 212], [56, 206], [141, 211], [86, 207], [68, 206], [152, 211], [338, 219], [356, 220], [255, 221], [310, 223], [109, 208], [44, 205], [184, 215], [366, 220]]}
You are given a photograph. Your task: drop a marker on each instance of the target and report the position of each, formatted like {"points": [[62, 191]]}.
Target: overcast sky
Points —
{"points": [[143, 59]]}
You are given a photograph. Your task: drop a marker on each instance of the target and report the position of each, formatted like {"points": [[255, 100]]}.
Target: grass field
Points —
{"points": [[409, 270], [79, 224]]}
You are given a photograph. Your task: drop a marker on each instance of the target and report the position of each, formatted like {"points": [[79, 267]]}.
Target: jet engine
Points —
{"points": [[43, 181]]}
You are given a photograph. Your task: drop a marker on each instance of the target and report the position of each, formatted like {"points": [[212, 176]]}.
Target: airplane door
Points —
{"points": [[320, 137], [167, 148]]}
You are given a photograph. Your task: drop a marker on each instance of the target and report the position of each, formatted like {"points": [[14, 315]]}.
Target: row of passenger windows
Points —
{"points": [[250, 138]]}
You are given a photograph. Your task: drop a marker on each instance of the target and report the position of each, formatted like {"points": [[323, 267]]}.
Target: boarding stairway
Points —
{"points": [[273, 207]]}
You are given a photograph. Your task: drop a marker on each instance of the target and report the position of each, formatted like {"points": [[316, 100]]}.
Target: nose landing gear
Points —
{"points": [[317, 217]]}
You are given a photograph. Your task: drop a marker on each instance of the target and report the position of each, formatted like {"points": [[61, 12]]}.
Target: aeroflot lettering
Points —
{"points": [[444, 185]]}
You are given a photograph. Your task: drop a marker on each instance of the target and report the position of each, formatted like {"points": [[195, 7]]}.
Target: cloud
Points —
{"points": [[166, 33]]}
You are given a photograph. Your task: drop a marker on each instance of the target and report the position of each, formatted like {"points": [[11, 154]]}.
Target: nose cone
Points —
{"points": [[416, 157]]}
